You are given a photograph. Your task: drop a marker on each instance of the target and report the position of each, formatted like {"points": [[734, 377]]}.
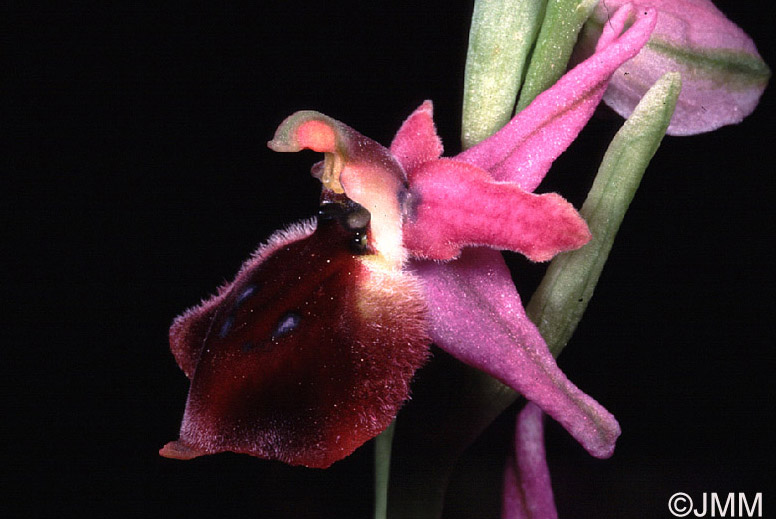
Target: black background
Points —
{"points": [[138, 180]]}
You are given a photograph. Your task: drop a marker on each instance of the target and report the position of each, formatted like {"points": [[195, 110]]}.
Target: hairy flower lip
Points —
{"points": [[306, 355]]}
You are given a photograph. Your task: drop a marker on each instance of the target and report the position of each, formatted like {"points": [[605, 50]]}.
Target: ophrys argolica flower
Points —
{"points": [[309, 352]]}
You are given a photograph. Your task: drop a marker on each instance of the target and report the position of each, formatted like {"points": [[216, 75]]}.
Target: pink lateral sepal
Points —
{"points": [[476, 315], [454, 204]]}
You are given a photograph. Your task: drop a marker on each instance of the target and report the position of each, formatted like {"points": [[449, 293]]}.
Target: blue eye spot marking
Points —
{"points": [[246, 293], [226, 327], [287, 323]]}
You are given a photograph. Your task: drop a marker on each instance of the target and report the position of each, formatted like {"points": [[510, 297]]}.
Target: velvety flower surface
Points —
{"points": [[310, 350], [723, 76], [291, 361]]}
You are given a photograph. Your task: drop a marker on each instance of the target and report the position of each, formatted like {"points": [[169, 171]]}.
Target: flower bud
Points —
{"points": [[723, 76]]}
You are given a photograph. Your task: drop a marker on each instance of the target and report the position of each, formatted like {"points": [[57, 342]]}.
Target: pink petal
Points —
{"points": [[476, 315], [417, 141], [723, 76], [525, 148], [527, 486], [457, 204]]}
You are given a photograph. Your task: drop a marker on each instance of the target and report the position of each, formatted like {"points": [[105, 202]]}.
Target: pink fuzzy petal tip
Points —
{"points": [[417, 141]]}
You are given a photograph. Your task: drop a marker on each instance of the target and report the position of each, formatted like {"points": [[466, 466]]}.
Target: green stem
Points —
{"points": [[383, 470], [430, 439], [500, 40], [565, 291], [563, 20]]}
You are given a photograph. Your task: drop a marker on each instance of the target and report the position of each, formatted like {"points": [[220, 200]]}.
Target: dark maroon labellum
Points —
{"points": [[304, 357]]}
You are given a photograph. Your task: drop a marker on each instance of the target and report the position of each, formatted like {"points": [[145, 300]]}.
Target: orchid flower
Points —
{"points": [[722, 73], [310, 351]]}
